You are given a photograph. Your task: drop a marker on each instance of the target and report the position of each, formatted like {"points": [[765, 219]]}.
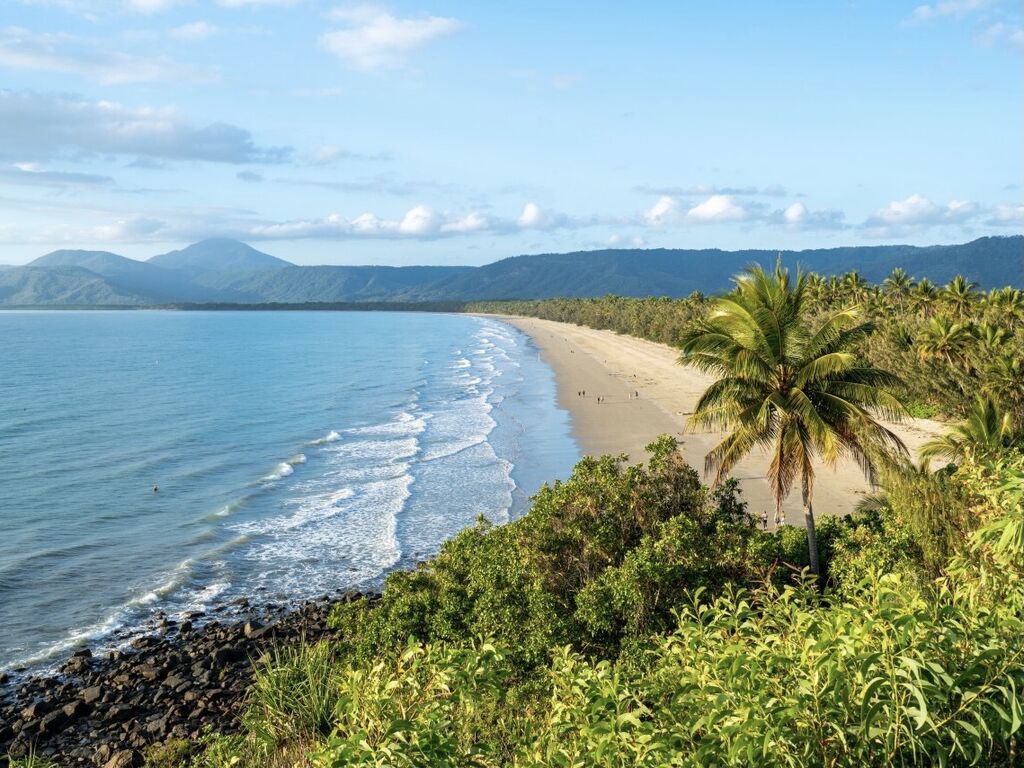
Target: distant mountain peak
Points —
{"points": [[219, 254]]}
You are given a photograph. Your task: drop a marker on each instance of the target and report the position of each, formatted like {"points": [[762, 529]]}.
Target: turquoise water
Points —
{"points": [[295, 453]]}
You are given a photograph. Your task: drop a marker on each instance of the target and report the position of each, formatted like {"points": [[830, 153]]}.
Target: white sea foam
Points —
{"points": [[285, 468], [330, 437]]}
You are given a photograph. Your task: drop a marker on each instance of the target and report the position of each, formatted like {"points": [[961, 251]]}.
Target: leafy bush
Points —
{"points": [[692, 644]]}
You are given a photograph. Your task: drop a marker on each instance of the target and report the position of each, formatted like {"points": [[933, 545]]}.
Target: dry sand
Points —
{"points": [[616, 368]]}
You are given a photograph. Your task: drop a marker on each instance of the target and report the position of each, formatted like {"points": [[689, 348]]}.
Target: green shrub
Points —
{"points": [[173, 753], [920, 410], [692, 646], [293, 698]]}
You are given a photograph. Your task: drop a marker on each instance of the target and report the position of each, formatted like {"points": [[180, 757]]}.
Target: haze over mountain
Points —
{"points": [[218, 254], [227, 271]]}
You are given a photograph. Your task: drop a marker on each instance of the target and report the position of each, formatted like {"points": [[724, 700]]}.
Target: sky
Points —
{"points": [[439, 132]]}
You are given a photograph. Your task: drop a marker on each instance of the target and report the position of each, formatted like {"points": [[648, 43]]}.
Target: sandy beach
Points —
{"points": [[645, 393]]}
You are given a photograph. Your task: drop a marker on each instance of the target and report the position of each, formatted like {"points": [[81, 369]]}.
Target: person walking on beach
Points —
{"points": [[764, 520]]}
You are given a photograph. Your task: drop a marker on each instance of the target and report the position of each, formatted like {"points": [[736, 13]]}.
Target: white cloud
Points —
{"points": [[472, 222], [619, 241], [532, 216], [328, 154], [664, 211], [535, 217], [795, 214], [1007, 214], [772, 190], [36, 125], [151, 6], [716, 209], [948, 8], [56, 52], [1000, 33], [197, 30], [372, 38], [420, 221], [31, 174], [916, 213], [798, 217]]}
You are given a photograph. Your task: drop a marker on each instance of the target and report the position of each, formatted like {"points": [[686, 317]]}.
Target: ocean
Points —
{"points": [[178, 461]]}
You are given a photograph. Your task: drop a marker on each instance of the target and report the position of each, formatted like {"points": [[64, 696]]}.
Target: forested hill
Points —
{"points": [[990, 261], [228, 271]]}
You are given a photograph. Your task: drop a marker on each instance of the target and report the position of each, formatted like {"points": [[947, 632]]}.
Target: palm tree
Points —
{"points": [[796, 390], [943, 339], [923, 296], [987, 430], [959, 294], [991, 338], [897, 285]]}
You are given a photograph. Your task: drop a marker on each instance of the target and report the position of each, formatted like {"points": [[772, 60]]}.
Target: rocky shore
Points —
{"points": [[175, 683]]}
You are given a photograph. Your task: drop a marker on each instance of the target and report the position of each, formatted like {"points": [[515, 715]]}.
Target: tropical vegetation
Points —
{"points": [[788, 386], [636, 617]]}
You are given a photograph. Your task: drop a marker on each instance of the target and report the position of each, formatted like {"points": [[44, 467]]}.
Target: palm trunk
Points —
{"points": [[812, 537]]}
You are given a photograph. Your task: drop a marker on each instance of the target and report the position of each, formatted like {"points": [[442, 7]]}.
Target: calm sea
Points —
{"points": [[294, 453]]}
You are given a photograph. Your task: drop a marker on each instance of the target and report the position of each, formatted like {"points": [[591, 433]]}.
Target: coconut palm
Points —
{"points": [[959, 294], [897, 287], [898, 282], [946, 340], [923, 297], [991, 338], [987, 430], [785, 386]]}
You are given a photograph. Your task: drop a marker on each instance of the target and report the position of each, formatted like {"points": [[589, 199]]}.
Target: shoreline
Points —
{"points": [[171, 683], [615, 367]]}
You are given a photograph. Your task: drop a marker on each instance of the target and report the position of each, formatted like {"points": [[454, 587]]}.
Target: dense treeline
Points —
{"points": [[949, 343]]}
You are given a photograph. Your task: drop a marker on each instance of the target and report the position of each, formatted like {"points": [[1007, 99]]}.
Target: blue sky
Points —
{"points": [[460, 133]]}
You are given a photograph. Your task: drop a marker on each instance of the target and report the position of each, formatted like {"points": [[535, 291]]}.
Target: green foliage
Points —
{"points": [[919, 410], [292, 698], [685, 636], [432, 705], [32, 760], [948, 344], [987, 431], [599, 560], [171, 754], [876, 541], [788, 384]]}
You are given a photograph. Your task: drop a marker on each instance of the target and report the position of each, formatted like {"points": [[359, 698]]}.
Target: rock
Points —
{"points": [[126, 758], [92, 694], [35, 710], [150, 673], [83, 653], [75, 709], [250, 627], [53, 723]]}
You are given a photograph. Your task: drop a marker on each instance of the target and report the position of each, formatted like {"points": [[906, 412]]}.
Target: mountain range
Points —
{"points": [[220, 270]]}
